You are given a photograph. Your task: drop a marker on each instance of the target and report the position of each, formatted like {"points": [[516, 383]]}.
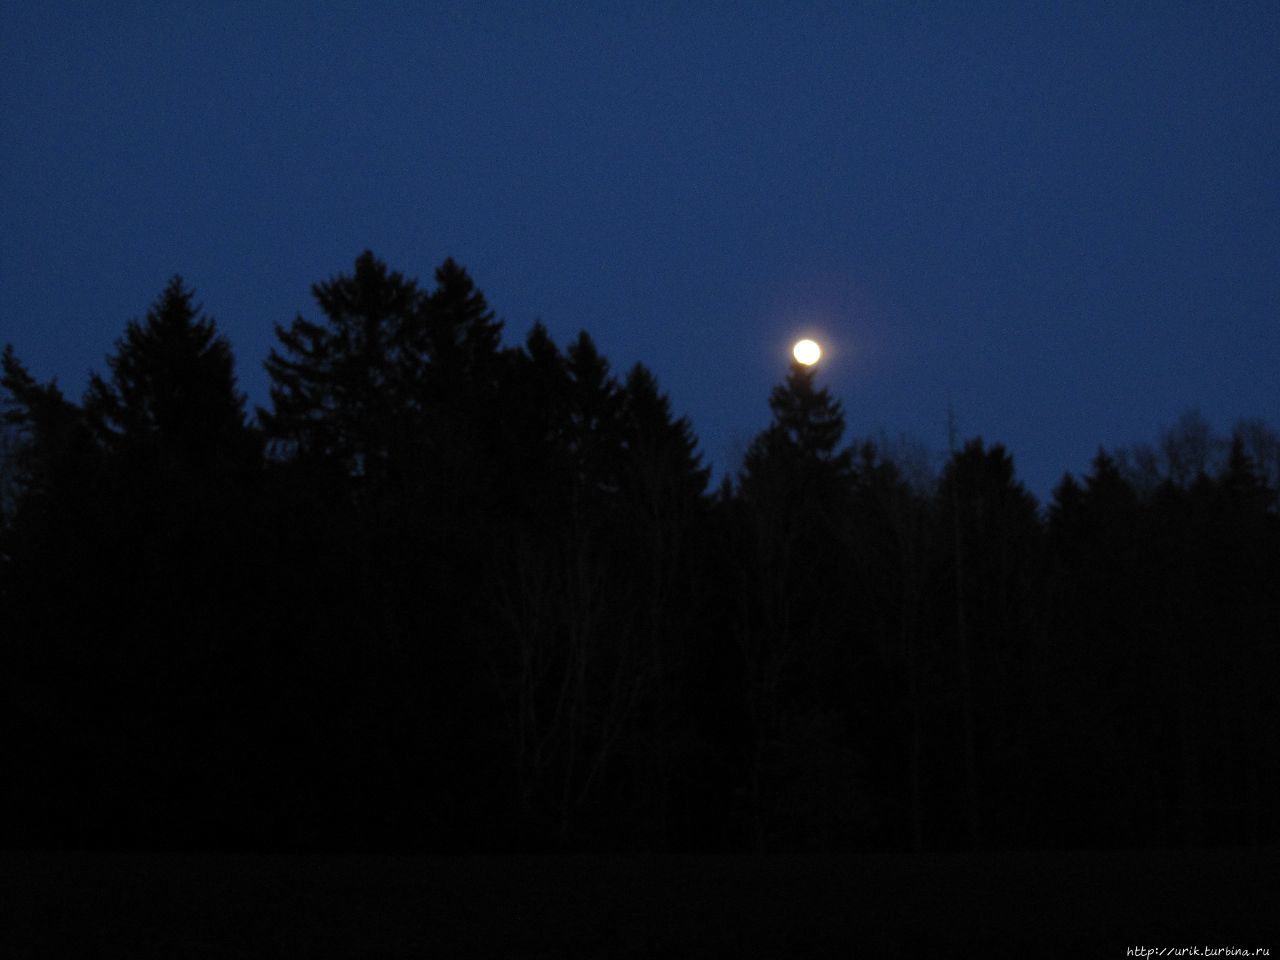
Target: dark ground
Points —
{"points": [[1026, 904]]}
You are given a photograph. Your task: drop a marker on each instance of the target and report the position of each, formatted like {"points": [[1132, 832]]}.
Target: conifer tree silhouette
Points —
{"points": [[794, 488], [801, 443], [171, 393], [51, 528], [459, 337], [994, 533], [52, 444], [338, 386], [136, 499]]}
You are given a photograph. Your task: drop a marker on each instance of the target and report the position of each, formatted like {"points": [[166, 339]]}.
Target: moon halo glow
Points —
{"points": [[806, 352]]}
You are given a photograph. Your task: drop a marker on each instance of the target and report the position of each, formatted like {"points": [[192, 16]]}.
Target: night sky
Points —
{"points": [[1065, 225]]}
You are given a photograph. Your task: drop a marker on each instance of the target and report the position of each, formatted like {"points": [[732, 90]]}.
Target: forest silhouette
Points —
{"points": [[444, 594]]}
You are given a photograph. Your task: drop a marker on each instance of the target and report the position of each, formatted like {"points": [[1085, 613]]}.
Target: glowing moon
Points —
{"points": [[806, 352]]}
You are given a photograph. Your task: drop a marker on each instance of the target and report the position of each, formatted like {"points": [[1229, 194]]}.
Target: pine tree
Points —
{"points": [[991, 523], [51, 501], [531, 470], [458, 338], [179, 467], [51, 444], [662, 451], [126, 554], [172, 394], [1242, 485], [179, 459], [794, 568], [338, 388], [796, 457]]}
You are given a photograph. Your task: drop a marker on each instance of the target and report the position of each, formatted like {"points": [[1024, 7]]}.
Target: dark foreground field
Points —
{"points": [[1081, 904]]}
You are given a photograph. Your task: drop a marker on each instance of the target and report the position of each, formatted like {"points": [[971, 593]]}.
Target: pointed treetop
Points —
{"points": [[36, 410], [983, 478], [26, 401], [809, 418], [539, 346], [594, 393], [796, 455], [172, 379], [1068, 497], [1106, 487], [371, 290], [460, 319], [335, 381], [662, 444], [1242, 483]]}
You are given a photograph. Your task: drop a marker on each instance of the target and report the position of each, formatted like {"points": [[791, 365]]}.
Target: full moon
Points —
{"points": [[806, 352]]}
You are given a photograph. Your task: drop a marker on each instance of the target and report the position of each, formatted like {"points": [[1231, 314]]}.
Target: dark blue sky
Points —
{"points": [[1064, 224]]}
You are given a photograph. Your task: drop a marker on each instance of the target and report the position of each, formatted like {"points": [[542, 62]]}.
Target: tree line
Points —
{"points": [[446, 594]]}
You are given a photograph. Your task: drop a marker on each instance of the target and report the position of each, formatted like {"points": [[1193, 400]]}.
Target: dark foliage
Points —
{"points": [[449, 595]]}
